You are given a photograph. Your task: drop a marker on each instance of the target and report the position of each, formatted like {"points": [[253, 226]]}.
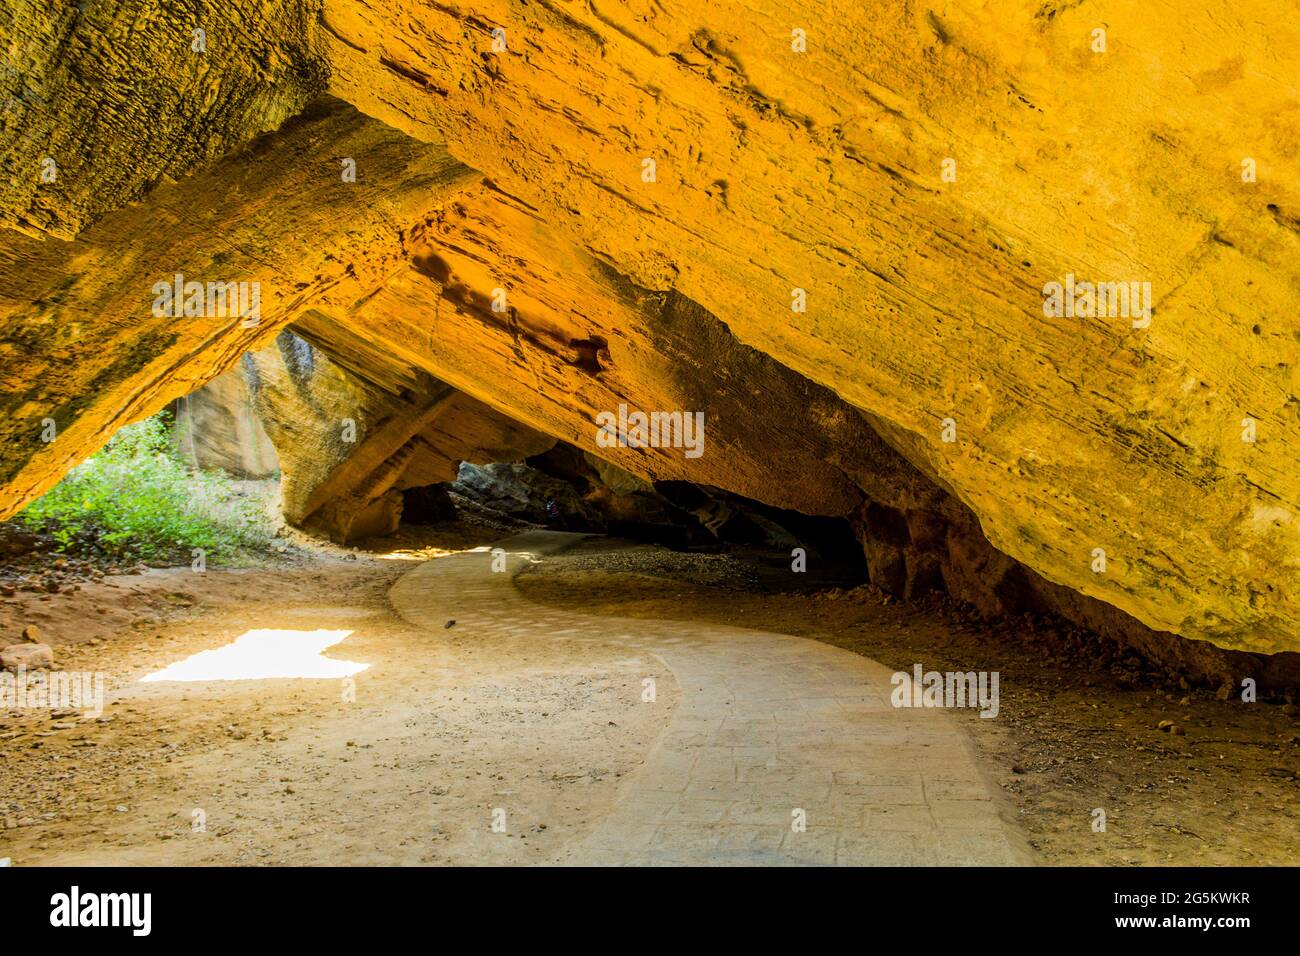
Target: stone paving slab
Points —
{"points": [[770, 729]]}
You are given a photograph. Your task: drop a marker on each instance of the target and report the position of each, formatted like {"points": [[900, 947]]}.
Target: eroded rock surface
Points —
{"points": [[218, 427], [83, 351], [822, 171], [350, 442], [662, 182], [101, 101]]}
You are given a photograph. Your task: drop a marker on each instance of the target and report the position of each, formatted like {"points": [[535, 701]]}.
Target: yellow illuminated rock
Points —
{"points": [[874, 198]]}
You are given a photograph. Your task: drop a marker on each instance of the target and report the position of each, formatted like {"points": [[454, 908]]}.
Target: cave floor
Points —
{"points": [[1078, 730], [403, 764], [779, 750], [522, 733]]}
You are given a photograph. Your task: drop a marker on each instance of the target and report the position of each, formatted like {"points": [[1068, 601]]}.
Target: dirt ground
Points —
{"points": [[1074, 734], [444, 729]]}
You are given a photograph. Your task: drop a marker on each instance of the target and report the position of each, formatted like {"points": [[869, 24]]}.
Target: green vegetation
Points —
{"points": [[136, 499]]}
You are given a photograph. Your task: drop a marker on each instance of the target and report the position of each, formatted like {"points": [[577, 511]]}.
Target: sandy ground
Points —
{"points": [[441, 732], [1071, 736]]}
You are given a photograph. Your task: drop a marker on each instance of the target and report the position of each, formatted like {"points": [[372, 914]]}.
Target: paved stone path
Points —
{"points": [[768, 725]]}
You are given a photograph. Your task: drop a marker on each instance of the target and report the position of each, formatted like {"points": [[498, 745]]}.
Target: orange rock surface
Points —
{"points": [[915, 177]]}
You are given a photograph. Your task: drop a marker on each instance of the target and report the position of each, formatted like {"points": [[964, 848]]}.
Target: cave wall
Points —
{"points": [[218, 427], [122, 97], [775, 169], [823, 171], [352, 437], [82, 349]]}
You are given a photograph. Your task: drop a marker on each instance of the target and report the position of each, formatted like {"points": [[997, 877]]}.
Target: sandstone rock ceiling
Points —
{"points": [[523, 168]]}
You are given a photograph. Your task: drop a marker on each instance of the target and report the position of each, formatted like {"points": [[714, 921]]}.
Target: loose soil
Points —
{"points": [[442, 731]]}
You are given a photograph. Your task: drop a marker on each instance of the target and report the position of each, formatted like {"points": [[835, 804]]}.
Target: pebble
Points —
{"points": [[31, 656]]}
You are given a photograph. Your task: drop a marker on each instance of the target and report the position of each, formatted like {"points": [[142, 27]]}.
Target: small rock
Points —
{"points": [[1164, 725], [31, 656], [32, 633], [451, 623]]}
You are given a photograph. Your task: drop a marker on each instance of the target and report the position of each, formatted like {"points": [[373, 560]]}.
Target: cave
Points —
{"points": [[888, 476]]}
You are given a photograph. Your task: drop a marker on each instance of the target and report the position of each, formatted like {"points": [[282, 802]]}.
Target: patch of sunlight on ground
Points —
{"points": [[423, 553], [263, 654], [412, 554]]}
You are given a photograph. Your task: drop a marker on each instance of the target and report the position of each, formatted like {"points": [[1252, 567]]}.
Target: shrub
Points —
{"points": [[136, 498]]}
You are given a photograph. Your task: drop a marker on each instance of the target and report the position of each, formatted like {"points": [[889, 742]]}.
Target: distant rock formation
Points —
{"points": [[218, 427]]}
